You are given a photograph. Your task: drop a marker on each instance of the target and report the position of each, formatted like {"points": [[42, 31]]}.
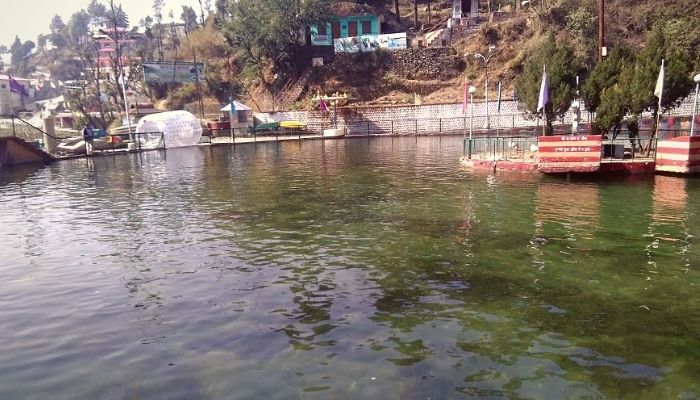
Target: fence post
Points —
{"points": [[440, 125], [416, 126], [14, 133], [367, 128], [392, 127]]}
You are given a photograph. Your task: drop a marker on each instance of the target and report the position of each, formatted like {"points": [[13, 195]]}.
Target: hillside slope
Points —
{"points": [[574, 21]]}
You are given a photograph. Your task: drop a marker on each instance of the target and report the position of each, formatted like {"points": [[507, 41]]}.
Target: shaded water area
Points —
{"points": [[343, 269]]}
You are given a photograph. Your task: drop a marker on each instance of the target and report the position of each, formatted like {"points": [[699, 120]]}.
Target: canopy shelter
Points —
{"points": [[239, 107]]}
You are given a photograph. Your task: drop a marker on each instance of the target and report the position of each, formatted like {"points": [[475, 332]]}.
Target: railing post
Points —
{"points": [[392, 126], [14, 133], [416, 126], [367, 128], [440, 125]]}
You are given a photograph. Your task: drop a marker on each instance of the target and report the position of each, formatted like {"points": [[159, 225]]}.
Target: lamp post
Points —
{"points": [[696, 78], [486, 59], [472, 90]]}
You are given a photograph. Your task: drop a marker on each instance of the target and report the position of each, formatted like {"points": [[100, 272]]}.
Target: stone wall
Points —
{"points": [[421, 63], [425, 119], [433, 118]]}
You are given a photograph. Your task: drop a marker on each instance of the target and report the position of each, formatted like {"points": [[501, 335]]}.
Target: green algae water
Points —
{"points": [[353, 269]]}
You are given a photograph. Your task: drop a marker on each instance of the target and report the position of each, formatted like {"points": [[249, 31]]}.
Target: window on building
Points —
{"points": [[2, 86], [366, 27], [335, 27], [322, 30]]}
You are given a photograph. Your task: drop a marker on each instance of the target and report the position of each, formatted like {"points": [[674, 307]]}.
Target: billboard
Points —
{"points": [[172, 72], [365, 43]]}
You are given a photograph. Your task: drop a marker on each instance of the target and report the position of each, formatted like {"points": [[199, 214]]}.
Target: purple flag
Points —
{"points": [[16, 87], [544, 91]]}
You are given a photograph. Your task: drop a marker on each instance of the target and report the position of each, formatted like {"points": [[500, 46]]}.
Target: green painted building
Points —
{"points": [[343, 27], [350, 20]]}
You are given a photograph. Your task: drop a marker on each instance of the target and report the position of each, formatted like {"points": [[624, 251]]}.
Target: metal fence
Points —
{"points": [[507, 148], [120, 142], [229, 135], [13, 126], [521, 147]]}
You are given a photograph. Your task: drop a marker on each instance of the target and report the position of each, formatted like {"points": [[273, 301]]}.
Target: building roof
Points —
{"points": [[239, 107], [348, 9], [17, 78]]}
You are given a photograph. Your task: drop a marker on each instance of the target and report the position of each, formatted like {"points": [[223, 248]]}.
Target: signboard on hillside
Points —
{"points": [[172, 72], [367, 43]]}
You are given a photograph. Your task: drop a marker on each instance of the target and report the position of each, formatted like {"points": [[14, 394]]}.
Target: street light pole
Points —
{"points": [[486, 59], [472, 90], [696, 78]]}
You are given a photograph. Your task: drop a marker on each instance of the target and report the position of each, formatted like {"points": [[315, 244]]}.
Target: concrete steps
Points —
{"points": [[14, 150]]}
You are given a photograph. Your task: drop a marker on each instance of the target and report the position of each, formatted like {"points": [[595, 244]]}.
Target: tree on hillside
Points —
{"points": [[201, 10], [415, 14], [678, 74], [562, 68], [78, 30], [174, 38], [267, 33], [606, 90], [189, 18], [56, 25], [97, 12], [221, 8], [41, 41], [57, 28], [605, 75], [396, 10], [19, 55], [158, 27], [120, 17]]}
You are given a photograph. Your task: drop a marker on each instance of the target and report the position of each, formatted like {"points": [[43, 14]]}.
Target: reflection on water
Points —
{"points": [[574, 207], [343, 269]]}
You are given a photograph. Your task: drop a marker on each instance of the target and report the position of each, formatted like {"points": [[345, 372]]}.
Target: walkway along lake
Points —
{"points": [[368, 268]]}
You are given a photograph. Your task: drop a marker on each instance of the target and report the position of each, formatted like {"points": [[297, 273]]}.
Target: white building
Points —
{"points": [[10, 102]]}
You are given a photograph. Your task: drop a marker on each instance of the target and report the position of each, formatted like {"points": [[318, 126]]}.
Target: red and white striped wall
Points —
{"points": [[561, 154], [679, 155]]}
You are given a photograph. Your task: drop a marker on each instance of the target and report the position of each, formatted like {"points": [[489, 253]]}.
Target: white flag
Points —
{"points": [[659, 90], [544, 91]]}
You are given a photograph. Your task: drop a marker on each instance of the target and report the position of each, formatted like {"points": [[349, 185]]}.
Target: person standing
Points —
{"points": [[88, 137]]}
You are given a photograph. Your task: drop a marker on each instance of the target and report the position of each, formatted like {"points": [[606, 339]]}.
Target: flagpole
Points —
{"points": [[9, 94], [230, 119], [498, 109], [660, 89], [544, 98]]}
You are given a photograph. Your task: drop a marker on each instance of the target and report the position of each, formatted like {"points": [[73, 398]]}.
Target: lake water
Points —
{"points": [[343, 269]]}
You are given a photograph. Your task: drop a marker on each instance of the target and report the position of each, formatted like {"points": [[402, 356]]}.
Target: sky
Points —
{"points": [[29, 18]]}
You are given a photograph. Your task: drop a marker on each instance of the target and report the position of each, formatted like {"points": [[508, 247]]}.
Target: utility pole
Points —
{"points": [[601, 30]]}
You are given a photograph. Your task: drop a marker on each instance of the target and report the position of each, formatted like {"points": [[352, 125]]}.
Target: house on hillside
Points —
{"points": [[107, 39], [349, 20], [355, 28], [11, 101]]}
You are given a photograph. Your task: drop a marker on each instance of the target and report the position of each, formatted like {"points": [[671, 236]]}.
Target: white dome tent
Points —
{"points": [[180, 128]]}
